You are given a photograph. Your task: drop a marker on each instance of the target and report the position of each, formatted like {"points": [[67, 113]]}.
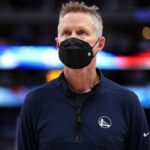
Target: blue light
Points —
{"points": [[11, 98], [142, 15], [143, 95], [106, 61], [42, 57]]}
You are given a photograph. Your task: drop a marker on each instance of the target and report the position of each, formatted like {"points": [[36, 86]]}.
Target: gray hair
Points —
{"points": [[82, 7]]}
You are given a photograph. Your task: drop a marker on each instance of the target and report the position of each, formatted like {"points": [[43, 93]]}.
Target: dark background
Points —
{"points": [[34, 22]]}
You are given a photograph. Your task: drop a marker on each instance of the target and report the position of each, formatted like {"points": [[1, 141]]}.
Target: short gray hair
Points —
{"points": [[82, 7]]}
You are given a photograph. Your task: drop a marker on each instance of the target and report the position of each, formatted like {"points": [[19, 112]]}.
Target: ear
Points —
{"points": [[101, 43], [57, 44]]}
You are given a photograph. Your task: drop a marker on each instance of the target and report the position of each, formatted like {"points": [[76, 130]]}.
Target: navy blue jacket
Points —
{"points": [[108, 118]]}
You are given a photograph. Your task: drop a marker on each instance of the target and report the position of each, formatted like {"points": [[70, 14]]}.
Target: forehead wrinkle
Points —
{"points": [[77, 21]]}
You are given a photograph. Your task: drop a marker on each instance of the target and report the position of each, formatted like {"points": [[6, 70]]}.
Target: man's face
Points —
{"points": [[78, 25]]}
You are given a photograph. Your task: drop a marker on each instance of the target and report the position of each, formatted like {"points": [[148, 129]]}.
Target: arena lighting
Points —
{"points": [[52, 74], [146, 32], [143, 94], [14, 97], [46, 57], [142, 15], [37, 57]]}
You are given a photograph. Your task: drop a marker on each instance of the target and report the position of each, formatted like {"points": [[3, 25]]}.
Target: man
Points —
{"points": [[81, 109]]}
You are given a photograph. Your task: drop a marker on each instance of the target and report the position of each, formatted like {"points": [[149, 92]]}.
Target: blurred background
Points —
{"points": [[28, 56]]}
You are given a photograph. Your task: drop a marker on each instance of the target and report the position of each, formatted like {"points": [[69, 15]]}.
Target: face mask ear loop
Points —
{"points": [[95, 42], [94, 46]]}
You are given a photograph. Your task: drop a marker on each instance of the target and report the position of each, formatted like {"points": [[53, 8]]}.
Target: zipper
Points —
{"points": [[78, 124], [79, 108]]}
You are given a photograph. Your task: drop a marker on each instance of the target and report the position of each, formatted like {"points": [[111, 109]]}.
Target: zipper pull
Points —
{"points": [[78, 124]]}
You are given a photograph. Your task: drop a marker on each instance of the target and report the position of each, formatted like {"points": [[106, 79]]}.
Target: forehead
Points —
{"points": [[78, 19]]}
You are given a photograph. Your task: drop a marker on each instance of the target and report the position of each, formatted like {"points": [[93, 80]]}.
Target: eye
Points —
{"points": [[81, 32], [66, 33]]}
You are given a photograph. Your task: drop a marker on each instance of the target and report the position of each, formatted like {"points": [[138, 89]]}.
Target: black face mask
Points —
{"points": [[75, 53]]}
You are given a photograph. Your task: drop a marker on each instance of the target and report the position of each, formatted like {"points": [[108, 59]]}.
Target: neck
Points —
{"points": [[81, 80]]}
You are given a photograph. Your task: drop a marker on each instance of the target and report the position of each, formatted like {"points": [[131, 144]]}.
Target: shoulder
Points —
{"points": [[121, 92], [126, 99], [113, 86], [37, 95], [46, 86]]}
